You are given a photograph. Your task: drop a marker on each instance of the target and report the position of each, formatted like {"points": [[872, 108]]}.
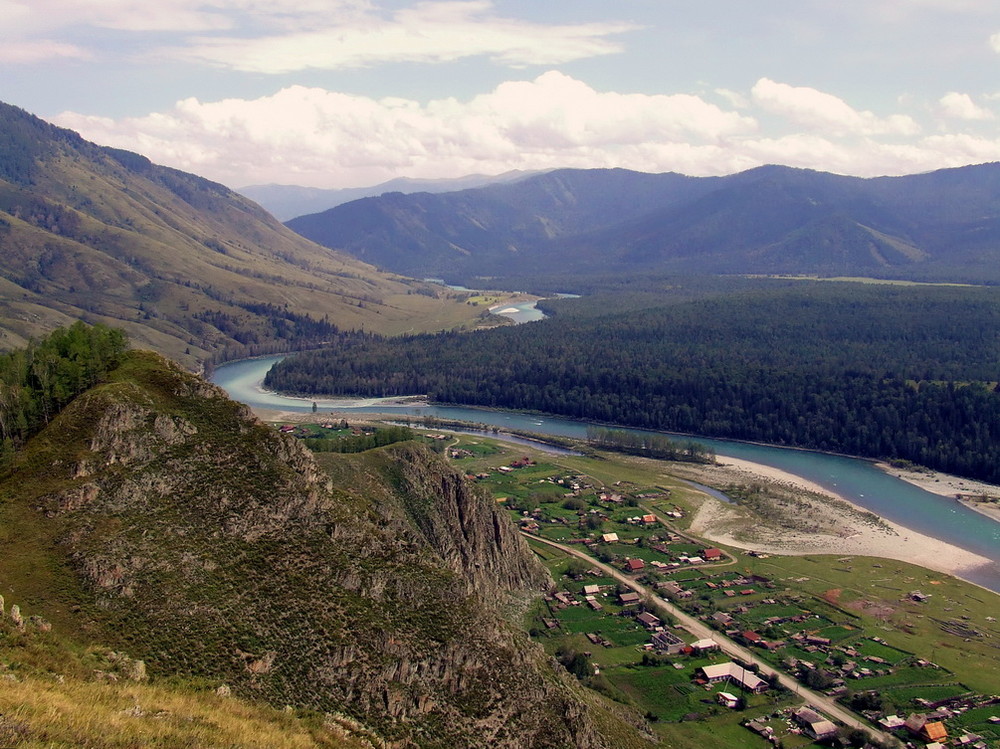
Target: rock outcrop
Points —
{"points": [[371, 586]]}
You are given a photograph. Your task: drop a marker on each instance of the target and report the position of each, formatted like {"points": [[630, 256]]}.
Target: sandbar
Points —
{"points": [[977, 495], [726, 524]]}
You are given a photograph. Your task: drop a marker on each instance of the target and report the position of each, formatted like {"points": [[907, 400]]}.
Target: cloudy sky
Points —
{"points": [[342, 93]]}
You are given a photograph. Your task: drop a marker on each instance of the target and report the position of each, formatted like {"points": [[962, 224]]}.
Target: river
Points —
{"points": [[857, 480]]}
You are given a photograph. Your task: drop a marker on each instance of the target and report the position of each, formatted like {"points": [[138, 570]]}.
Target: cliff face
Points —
{"points": [[159, 516]]}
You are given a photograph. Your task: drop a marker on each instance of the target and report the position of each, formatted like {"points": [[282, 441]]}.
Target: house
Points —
{"points": [[712, 555], [648, 620], [649, 519], [668, 642], [609, 538], [814, 725], [629, 599], [890, 722], [634, 565], [701, 646], [928, 730], [751, 638], [731, 672], [670, 587], [591, 590], [728, 700], [934, 731]]}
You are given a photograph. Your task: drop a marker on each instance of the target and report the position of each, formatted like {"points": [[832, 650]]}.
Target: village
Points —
{"points": [[639, 654]]}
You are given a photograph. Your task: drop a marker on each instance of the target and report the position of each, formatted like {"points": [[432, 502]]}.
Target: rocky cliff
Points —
{"points": [[159, 517]]}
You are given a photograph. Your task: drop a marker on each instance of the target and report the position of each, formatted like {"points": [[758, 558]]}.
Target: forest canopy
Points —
{"points": [[878, 371], [38, 381]]}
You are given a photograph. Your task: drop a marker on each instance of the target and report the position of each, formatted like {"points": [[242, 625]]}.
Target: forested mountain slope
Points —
{"points": [[185, 265], [940, 225], [158, 518]]}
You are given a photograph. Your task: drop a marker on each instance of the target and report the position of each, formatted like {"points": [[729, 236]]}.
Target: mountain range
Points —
{"points": [[943, 225], [186, 266], [288, 201]]}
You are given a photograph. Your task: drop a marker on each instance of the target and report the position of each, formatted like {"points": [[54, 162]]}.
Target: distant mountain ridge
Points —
{"points": [[288, 201], [942, 225], [185, 265]]}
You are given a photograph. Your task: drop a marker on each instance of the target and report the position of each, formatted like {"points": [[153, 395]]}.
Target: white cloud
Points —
{"points": [[735, 99], [962, 107], [283, 36], [188, 16], [311, 136], [430, 32], [37, 51], [823, 112]]}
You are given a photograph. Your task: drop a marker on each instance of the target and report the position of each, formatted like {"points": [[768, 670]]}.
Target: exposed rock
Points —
{"points": [[371, 585], [136, 671], [262, 665], [15, 616], [40, 624]]}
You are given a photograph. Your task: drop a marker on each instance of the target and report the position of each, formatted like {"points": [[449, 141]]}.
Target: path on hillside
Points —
{"points": [[702, 631]]}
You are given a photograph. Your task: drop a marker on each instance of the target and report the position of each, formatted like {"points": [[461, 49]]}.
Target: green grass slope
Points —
{"points": [[157, 518], [186, 266]]}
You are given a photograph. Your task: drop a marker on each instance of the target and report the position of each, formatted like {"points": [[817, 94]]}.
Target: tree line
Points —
{"points": [[360, 442], [874, 371], [649, 444], [38, 381]]}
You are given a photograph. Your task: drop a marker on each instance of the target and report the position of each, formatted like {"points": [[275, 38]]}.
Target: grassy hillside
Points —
{"points": [[155, 517], [186, 266], [53, 693]]}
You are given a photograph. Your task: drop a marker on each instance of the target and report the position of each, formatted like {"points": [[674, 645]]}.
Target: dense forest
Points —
{"points": [[38, 381], [882, 371]]}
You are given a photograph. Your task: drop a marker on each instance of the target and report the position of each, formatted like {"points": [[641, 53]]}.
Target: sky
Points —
{"points": [[352, 93]]}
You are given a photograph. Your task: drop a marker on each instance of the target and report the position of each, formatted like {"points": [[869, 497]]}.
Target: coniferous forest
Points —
{"points": [[895, 372], [38, 381]]}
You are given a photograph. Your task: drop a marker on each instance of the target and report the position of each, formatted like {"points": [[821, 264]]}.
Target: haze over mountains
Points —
{"points": [[943, 225], [288, 201], [184, 265]]}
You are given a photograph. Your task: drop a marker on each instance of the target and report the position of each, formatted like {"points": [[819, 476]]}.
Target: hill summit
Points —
{"points": [[158, 518]]}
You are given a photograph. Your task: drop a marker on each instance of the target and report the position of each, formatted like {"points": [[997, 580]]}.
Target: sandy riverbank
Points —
{"points": [[982, 497], [839, 527]]}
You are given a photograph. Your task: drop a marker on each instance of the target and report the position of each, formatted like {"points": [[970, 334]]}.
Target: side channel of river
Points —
{"points": [[858, 481]]}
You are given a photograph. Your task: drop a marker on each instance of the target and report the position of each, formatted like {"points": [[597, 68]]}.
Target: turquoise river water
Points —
{"points": [[857, 480]]}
